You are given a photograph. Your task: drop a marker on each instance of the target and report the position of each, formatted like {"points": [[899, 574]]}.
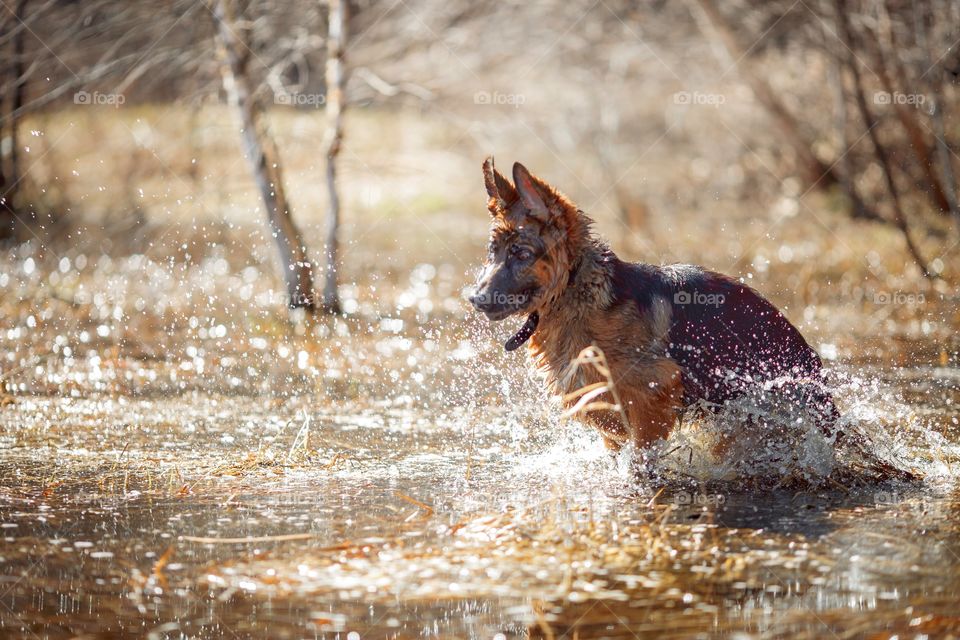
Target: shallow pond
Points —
{"points": [[205, 515]]}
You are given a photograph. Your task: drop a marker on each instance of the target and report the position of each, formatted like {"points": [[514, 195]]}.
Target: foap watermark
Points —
{"points": [[897, 97], [887, 497], [698, 98], [501, 299], [315, 100], [685, 498], [296, 300], [898, 298], [496, 98], [99, 99], [273, 298], [699, 298]]}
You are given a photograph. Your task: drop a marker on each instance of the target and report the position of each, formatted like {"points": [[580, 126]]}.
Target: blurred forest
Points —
{"points": [[242, 393], [808, 146]]}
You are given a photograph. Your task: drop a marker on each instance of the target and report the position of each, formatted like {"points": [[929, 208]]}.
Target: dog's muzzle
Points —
{"points": [[497, 306]]}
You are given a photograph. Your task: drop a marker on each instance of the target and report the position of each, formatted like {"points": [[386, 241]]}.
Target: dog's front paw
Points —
{"points": [[639, 465]]}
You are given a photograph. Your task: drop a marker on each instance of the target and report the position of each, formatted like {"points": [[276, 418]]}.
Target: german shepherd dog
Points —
{"points": [[672, 335]]}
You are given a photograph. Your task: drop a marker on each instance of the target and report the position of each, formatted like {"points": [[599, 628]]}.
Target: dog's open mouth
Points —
{"points": [[524, 333], [515, 303]]}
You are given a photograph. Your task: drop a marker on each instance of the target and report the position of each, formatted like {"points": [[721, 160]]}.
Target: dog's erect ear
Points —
{"points": [[529, 193], [498, 187]]}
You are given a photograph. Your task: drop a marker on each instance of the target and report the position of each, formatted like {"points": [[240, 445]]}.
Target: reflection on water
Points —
{"points": [[208, 516]]}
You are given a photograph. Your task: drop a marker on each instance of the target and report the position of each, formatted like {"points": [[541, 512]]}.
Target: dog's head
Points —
{"points": [[535, 236]]}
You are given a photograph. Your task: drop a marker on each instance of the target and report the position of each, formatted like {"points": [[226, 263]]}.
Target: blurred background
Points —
{"points": [[241, 389], [181, 172]]}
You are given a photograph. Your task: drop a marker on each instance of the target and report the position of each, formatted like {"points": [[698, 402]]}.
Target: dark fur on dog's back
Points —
{"points": [[727, 347], [672, 335]]}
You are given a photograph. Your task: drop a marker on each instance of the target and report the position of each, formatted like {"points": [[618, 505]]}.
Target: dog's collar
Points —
{"points": [[524, 333]]}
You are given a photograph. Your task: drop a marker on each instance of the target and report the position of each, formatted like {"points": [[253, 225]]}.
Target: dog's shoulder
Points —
{"points": [[645, 284], [638, 283]]}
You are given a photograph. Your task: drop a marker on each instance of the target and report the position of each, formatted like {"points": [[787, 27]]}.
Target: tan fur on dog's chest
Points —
{"points": [[647, 384]]}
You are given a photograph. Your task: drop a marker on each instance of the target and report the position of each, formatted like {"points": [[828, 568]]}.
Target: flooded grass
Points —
{"points": [[280, 519], [181, 460]]}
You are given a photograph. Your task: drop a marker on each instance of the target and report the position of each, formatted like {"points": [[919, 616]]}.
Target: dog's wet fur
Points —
{"points": [[673, 336]]}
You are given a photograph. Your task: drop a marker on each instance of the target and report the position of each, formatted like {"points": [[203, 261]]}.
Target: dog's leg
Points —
{"points": [[610, 426], [614, 447], [612, 444], [652, 407], [728, 436], [652, 419], [652, 412]]}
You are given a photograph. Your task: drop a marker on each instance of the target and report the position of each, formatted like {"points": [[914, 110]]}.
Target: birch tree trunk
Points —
{"points": [[10, 167], [335, 103], [264, 160], [19, 72]]}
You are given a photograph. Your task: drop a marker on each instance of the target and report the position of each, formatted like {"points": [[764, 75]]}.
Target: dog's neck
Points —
{"points": [[563, 329], [587, 284]]}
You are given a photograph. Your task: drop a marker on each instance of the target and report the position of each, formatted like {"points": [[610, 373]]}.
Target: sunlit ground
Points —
{"points": [[181, 459]]}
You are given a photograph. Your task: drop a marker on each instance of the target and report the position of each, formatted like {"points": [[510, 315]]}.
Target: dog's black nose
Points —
{"points": [[481, 302]]}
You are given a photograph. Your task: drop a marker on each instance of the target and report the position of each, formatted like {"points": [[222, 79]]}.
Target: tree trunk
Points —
{"points": [[264, 160], [9, 166], [19, 69], [6, 206], [847, 177], [907, 115], [918, 143], [944, 153], [335, 103], [869, 121]]}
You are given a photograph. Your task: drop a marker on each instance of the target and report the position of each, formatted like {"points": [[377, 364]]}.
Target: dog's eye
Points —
{"points": [[521, 254]]}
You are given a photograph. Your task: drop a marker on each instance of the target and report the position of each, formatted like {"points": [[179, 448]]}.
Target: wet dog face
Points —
{"points": [[510, 281], [522, 252]]}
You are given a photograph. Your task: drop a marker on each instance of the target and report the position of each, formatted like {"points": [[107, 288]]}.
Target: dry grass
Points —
{"points": [[150, 370], [176, 308], [408, 201]]}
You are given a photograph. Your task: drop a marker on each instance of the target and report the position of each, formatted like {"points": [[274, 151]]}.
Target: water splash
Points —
{"points": [[767, 441]]}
